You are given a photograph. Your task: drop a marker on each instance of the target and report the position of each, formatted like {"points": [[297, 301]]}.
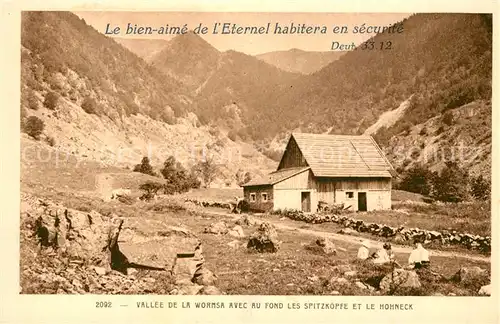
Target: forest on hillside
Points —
{"points": [[444, 60], [60, 48]]}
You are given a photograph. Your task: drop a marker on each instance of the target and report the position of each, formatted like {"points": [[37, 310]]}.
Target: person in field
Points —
{"points": [[383, 255], [364, 250], [419, 257]]}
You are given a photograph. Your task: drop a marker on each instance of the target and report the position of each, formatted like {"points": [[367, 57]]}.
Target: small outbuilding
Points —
{"points": [[331, 169]]}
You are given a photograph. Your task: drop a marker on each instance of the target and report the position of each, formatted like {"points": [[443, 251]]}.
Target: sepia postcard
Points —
{"points": [[277, 163]]}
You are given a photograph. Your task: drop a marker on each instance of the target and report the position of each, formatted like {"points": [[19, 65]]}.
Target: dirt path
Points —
{"points": [[357, 240]]}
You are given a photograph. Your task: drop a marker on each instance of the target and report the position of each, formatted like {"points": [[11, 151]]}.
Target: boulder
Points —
{"points": [[348, 231], [350, 274], [338, 281], [399, 278], [186, 265], [485, 290], [237, 232], [245, 221], [204, 277], [325, 246], [84, 236], [217, 228], [192, 289], [341, 268], [265, 239], [399, 238], [210, 290], [470, 275]]}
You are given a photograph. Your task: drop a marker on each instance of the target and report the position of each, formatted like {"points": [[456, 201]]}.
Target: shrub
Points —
{"points": [[447, 118], [178, 178], [33, 126], [451, 185], [32, 100], [150, 189], [207, 169], [51, 100], [89, 105], [145, 167], [50, 140], [417, 179], [480, 188], [439, 130]]}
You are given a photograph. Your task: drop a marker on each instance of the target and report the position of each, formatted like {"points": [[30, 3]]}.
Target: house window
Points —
{"points": [[252, 197], [264, 196], [349, 194]]}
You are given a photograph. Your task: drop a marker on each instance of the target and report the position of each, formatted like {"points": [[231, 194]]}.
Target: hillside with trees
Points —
{"points": [[442, 59], [66, 56]]}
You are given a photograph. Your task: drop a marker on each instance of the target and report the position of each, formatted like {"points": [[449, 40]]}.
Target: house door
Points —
{"points": [[361, 201], [306, 201]]}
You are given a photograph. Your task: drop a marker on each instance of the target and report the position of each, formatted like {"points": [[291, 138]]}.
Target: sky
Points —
{"points": [[249, 44]]}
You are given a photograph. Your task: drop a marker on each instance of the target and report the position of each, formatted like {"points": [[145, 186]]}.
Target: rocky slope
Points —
{"points": [[111, 106]]}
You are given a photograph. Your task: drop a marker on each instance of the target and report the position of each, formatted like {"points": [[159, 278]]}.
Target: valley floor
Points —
{"points": [[292, 270]]}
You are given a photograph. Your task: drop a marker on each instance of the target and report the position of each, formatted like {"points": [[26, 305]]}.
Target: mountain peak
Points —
{"points": [[190, 41]]}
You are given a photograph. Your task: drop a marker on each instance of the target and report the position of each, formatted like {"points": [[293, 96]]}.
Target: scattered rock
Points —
{"points": [[334, 292], [265, 239], [245, 221], [234, 244], [467, 275], [314, 278], [485, 290], [204, 277], [326, 246], [341, 268], [210, 290], [350, 274], [399, 278], [189, 289], [337, 281], [100, 271], [237, 232], [360, 285], [399, 239], [348, 231], [217, 228]]}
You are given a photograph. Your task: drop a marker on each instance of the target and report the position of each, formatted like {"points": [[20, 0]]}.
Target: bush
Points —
{"points": [[51, 100], [207, 170], [50, 140], [32, 100], [447, 118], [150, 189], [33, 126], [452, 184], [178, 178], [417, 179], [145, 167], [480, 188], [89, 105]]}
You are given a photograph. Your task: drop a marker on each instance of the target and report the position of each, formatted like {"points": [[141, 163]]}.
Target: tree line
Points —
{"points": [[452, 184]]}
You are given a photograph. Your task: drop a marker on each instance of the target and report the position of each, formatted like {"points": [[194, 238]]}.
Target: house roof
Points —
{"points": [[343, 155], [275, 177]]}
